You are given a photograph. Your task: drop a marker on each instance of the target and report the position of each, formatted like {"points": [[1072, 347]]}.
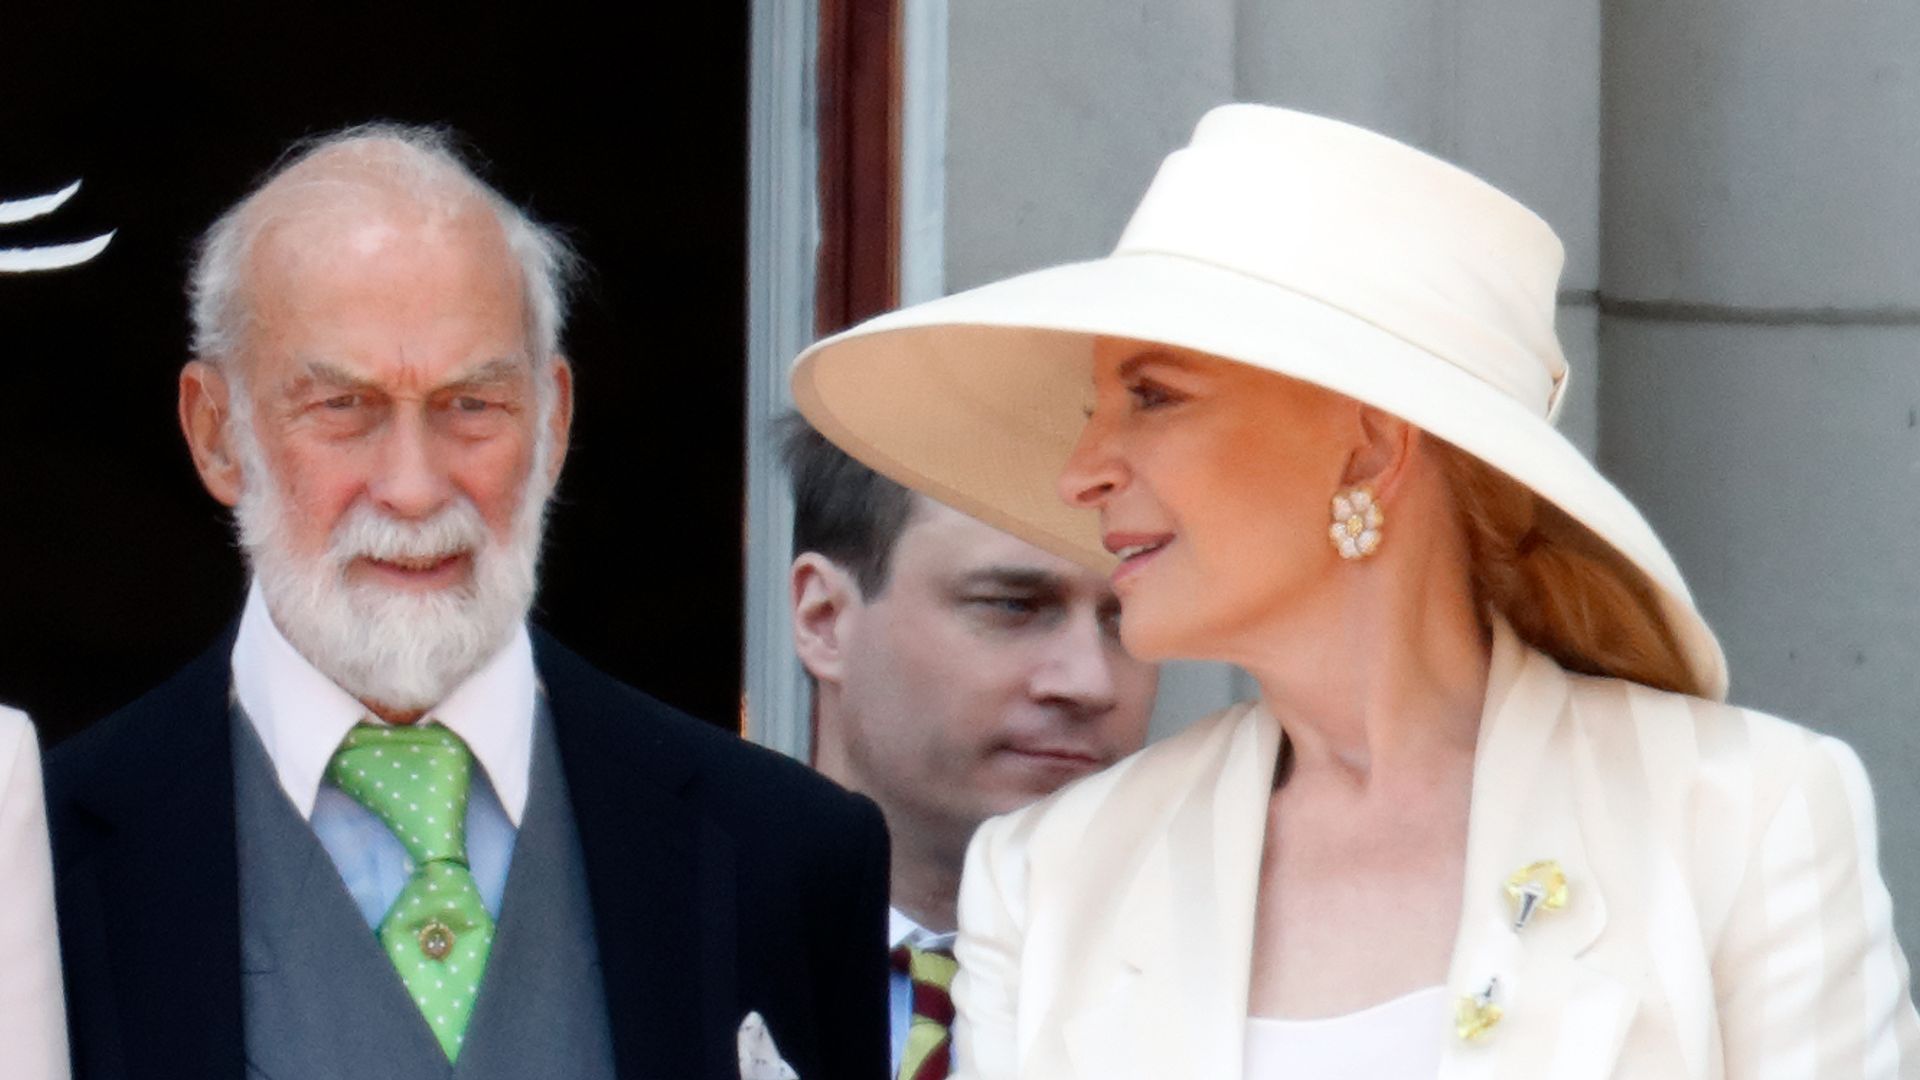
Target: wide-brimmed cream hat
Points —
{"points": [[1290, 242]]}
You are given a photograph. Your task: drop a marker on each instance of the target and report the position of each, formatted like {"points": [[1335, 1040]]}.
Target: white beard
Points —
{"points": [[402, 650]]}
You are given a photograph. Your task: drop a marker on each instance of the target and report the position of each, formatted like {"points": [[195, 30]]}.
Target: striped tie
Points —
{"points": [[928, 1052]]}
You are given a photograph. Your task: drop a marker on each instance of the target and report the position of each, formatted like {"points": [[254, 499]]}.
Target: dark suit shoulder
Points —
{"points": [[140, 811], [708, 853], [126, 759], [791, 831], [729, 772]]}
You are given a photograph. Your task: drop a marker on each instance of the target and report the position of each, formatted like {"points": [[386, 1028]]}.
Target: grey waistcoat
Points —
{"points": [[321, 1000]]}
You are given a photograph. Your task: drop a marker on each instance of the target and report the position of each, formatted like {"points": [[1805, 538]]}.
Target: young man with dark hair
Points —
{"points": [[958, 673]]}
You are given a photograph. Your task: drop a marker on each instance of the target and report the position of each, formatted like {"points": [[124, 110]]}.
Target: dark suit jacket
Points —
{"points": [[724, 878]]}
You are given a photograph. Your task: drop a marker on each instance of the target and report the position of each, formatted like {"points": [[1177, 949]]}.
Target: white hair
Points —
{"points": [[420, 163]]}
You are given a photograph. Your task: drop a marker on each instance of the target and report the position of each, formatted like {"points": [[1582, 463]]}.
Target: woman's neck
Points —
{"points": [[1384, 671]]}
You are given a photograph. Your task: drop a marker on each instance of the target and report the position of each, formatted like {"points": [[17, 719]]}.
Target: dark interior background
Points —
{"points": [[115, 567]]}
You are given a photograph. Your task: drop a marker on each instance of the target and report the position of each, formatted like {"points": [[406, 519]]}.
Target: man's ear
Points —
{"points": [[205, 405], [1384, 451], [559, 420], [823, 595]]}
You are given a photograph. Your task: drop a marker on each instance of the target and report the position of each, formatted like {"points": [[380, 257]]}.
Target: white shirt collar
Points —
{"points": [[301, 715], [902, 930]]}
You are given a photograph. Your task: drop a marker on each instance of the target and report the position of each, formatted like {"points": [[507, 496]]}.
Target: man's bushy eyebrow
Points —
{"points": [[499, 369], [1016, 577]]}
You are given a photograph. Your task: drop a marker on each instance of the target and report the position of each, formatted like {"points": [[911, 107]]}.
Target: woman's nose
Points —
{"points": [[1093, 471]]}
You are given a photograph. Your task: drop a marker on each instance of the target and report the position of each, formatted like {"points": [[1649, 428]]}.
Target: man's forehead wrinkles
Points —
{"points": [[333, 373], [498, 369]]}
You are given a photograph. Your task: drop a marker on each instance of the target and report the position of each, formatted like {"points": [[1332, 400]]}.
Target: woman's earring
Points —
{"points": [[1356, 523]]}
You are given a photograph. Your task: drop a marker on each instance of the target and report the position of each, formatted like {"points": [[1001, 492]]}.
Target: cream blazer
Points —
{"points": [[33, 1024], [1725, 913]]}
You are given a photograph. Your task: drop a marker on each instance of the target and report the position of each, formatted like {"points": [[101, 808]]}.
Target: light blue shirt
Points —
{"points": [[899, 1015], [301, 716], [375, 865]]}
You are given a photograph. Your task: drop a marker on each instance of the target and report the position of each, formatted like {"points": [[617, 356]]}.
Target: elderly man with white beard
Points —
{"points": [[381, 828]]}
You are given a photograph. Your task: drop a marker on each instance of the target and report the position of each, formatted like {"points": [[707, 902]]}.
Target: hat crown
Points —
{"points": [[1418, 247]]}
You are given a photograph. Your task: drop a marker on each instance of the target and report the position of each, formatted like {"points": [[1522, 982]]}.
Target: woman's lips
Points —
{"points": [[1136, 550]]}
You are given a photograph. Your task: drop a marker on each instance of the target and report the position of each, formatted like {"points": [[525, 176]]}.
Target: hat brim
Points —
{"points": [[976, 399]]}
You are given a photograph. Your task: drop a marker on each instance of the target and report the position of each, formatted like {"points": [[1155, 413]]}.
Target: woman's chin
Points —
{"points": [[1155, 638]]}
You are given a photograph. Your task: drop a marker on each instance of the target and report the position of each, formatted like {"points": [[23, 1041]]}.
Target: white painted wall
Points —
{"points": [[783, 233]]}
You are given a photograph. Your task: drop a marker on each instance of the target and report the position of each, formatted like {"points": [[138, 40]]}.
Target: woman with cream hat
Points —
{"points": [[1489, 817]]}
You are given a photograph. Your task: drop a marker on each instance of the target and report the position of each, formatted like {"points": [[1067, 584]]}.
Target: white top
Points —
{"points": [[301, 715], [1400, 1039], [33, 1026]]}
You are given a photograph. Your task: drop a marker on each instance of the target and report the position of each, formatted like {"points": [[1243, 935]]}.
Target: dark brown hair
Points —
{"points": [[842, 509]]}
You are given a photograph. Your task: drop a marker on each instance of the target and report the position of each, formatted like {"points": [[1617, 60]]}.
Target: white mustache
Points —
{"points": [[368, 534]]}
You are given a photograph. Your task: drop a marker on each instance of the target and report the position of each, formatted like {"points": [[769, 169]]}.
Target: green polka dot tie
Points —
{"points": [[438, 932]]}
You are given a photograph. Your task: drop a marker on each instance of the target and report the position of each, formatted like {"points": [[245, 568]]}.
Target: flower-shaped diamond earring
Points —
{"points": [[1356, 523]]}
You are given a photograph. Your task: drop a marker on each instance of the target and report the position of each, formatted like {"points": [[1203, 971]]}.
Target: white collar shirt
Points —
{"points": [[301, 715]]}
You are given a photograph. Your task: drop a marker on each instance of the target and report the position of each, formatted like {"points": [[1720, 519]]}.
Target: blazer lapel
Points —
{"points": [[1559, 1012], [158, 891], [1186, 939], [1178, 1003], [659, 875]]}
